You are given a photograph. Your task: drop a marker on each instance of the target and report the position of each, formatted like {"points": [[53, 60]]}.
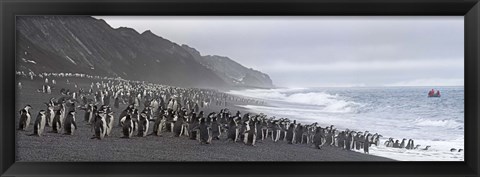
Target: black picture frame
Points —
{"points": [[470, 9]]}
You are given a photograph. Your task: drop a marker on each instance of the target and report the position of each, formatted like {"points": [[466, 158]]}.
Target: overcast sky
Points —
{"points": [[324, 51]]}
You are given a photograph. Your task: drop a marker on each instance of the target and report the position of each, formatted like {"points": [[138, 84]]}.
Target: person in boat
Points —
{"points": [[438, 93], [431, 92]]}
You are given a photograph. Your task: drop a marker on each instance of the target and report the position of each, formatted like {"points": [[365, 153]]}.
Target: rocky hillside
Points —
{"points": [[81, 44], [230, 71]]}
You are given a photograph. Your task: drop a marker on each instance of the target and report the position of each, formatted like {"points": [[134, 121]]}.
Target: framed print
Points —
{"points": [[240, 88]]}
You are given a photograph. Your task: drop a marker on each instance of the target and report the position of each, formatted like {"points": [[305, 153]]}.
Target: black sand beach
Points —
{"points": [[79, 147]]}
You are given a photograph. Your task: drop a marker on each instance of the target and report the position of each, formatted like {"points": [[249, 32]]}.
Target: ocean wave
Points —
{"points": [[447, 123], [326, 102]]}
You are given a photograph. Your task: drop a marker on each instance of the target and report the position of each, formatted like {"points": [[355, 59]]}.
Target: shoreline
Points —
{"points": [[79, 147]]}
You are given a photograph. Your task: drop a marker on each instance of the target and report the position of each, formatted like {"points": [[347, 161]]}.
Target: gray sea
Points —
{"points": [[397, 112]]}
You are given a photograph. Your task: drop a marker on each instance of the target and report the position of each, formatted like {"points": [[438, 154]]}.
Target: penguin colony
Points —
{"points": [[178, 110]]}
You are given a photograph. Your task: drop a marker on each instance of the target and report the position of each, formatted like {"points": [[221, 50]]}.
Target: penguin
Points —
{"points": [[244, 132], [402, 144], [264, 128], [275, 131], [159, 124], [91, 116], [341, 139], [49, 90], [109, 120], [349, 141], [49, 114], [233, 130], [389, 143], [334, 137], [251, 133], [69, 125], [170, 104], [100, 125], [135, 117], [185, 125], [396, 144], [328, 134], [417, 146], [205, 132], [176, 105], [290, 134], [25, 118], [56, 125], [366, 146], [39, 124], [259, 128], [127, 127], [426, 148], [143, 125], [408, 144], [283, 130], [63, 111], [357, 142], [376, 139], [169, 120], [242, 129], [88, 116], [122, 118], [318, 138], [460, 150], [124, 114], [193, 124], [298, 134], [216, 129], [177, 126], [453, 150]]}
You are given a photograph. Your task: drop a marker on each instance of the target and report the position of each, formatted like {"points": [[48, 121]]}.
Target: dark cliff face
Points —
{"points": [[230, 71], [81, 44]]}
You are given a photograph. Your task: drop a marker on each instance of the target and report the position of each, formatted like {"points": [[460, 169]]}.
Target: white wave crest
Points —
{"points": [[326, 102]]}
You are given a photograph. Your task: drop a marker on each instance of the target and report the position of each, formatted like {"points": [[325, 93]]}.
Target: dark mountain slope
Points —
{"points": [[91, 46], [231, 71]]}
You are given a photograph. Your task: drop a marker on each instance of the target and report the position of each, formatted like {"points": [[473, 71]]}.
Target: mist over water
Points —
{"points": [[398, 112]]}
